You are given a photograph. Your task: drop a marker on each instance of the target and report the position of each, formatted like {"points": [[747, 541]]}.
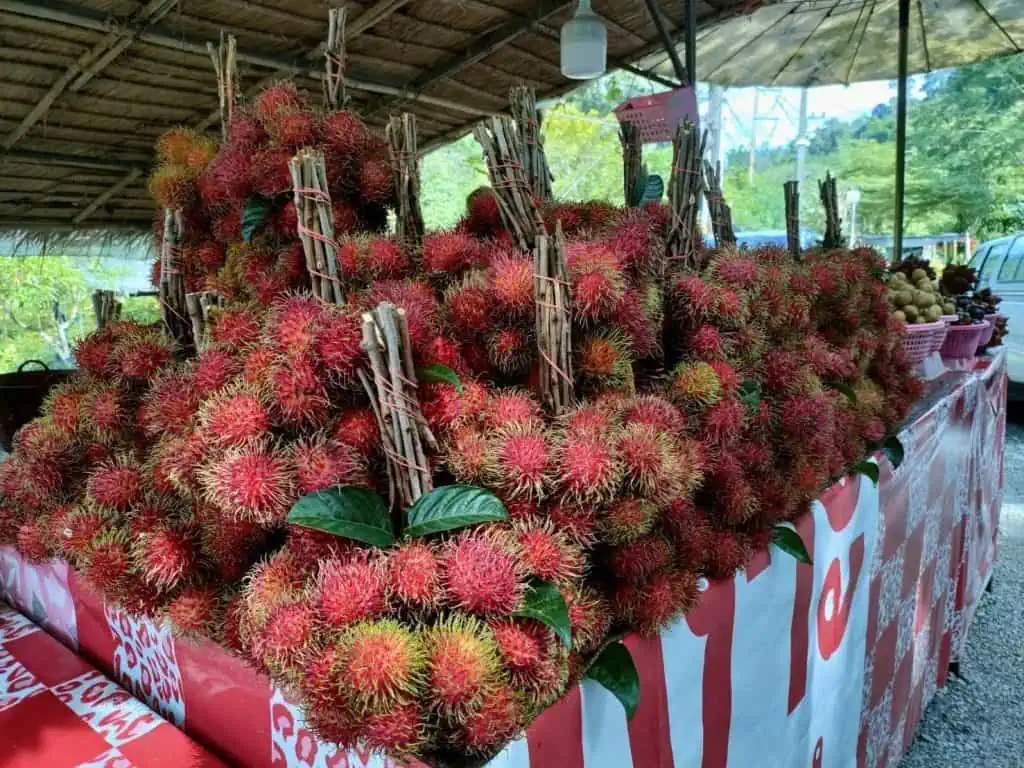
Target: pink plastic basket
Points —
{"points": [[921, 340], [949, 319], [658, 115], [986, 337], [962, 340]]}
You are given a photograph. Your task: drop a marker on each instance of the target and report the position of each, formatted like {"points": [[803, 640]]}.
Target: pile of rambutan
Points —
{"points": [[711, 405]]}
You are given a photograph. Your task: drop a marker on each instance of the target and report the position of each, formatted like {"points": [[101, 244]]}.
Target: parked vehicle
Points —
{"points": [[1000, 266]]}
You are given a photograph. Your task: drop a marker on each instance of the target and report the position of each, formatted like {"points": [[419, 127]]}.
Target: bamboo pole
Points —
{"points": [[402, 144], [225, 64]]}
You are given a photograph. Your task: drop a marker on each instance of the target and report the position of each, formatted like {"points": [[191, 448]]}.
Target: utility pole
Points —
{"points": [[752, 167], [802, 141], [715, 144]]}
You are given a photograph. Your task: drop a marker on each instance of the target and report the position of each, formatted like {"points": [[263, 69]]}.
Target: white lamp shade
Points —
{"points": [[584, 44]]}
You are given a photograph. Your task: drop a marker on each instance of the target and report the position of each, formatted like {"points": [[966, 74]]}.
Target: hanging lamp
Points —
{"points": [[584, 44]]}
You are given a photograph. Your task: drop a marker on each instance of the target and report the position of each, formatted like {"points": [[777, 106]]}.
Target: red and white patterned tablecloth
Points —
{"points": [[783, 665], [57, 711]]}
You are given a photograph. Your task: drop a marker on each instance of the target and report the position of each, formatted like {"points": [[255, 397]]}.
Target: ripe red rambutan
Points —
{"points": [[548, 554], [511, 280], [383, 663], [644, 455], [227, 227], [737, 271], [259, 366], [665, 597], [803, 417], [83, 526], [235, 417], [603, 359], [141, 359], [414, 574], [577, 521], [725, 555], [707, 343], [638, 560], [399, 730], [587, 468], [338, 343], [107, 411], [656, 412], [728, 377], [483, 572], [65, 408], [93, 354], [251, 482], [294, 129], [443, 406], [468, 308], [311, 546], [511, 406], [510, 350], [274, 582], [211, 255], [590, 418], [497, 719], [214, 368], [33, 540], [352, 590], [694, 297], [345, 134], [196, 611], [109, 564], [443, 350], [245, 132], [288, 637], [626, 520], [167, 556], [483, 213], [597, 281], [695, 385], [116, 485], [357, 427], [448, 253], [462, 663], [321, 463], [521, 459], [634, 241], [293, 324], [589, 618], [687, 527], [632, 319], [723, 422], [276, 100], [235, 326], [299, 393], [376, 183], [521, 644]]}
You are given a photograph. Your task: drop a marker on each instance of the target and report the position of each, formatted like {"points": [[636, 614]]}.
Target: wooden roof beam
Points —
{"points": [[89, 64], [92, 207], [481, 47]]}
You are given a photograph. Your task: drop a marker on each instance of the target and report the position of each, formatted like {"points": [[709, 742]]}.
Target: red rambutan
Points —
{"points": [[462, 663], [577, 521], [235, 417], [497, 719], [338, 343], [352, 590], [637, 561], [376, 183], [695, 385], [707, 343], [251, 482], [626, 520], [597, 281], [321, 463], [723, 422], [288, 637], [447, 253], [656, 412], [109, 564], [399, 730], [483, 573], [195, 611], [415, 576], [116, 485], [33, 540], [299, 393], [589, 618], [167, 556], [357, 427], [548, 554], [383, 663], [665, 597], [468, 308], [725, 555], [213, 369], [276, 100], [484, 215], [587, 468], [510, 350], [522, 459], [511, 280]]}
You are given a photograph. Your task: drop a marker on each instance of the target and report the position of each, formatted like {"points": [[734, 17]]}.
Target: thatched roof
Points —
{"points": [[86, 87]]}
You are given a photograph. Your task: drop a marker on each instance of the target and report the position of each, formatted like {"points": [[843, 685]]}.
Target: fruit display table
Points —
{"points": [[784, 665]]}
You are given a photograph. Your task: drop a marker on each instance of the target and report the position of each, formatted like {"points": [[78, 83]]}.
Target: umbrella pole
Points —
{"points": [[901, 132], [690, 14]]}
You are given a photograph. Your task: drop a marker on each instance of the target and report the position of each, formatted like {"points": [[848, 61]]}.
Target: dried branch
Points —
{"points": [[523, 106], [225, 64], [107, 308], [791, 190], [685, 196], [334, 61], [402, 143], [173, 307], [554, 321], [833, 237], [632, 164], [721, 214], [316, 223]]}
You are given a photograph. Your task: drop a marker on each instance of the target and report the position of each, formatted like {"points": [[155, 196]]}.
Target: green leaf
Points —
{"points": [[846, 389], [869, 469], [614, 669], [750, 394], [257, 208], [453, 506], [545, 603], [355, 513], [440, 374], [893, 448], [785, 537]]}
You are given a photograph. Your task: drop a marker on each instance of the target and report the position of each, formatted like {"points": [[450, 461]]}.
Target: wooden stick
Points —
{"points": [[315, 217], [195, 316], [791, 189], [632, 164], [523, 107], [173, 307], [334, 61], [225, 64], [553, 321], [721, 214], [833, 237], [686, 197], [402, 144]]}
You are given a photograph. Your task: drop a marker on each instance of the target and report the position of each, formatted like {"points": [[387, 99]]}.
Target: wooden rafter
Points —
{"points": [[481, 47], [91, 63], [101, 199]]}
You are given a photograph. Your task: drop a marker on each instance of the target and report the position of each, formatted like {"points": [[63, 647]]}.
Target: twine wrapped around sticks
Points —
{"points": [[402, 143], [334, 61], [225, 64], [107, 308], [721, 213], [392, 388], [554, 321], [316, 224], [833, 237], [519, 211], [791, 189], [632, 164], [685, 196], [523, 106], [173, 308]]}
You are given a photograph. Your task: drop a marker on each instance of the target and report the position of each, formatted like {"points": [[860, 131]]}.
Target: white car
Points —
{"points": [[1000, 266]]}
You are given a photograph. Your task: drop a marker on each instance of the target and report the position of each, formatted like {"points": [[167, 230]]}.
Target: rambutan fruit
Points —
{"points": [[633, 319], [738, 271], [83, 526], [522, 459], [385, 259], [376, 182], [626, 520], [483, 572], [117, 484], [533, 657], [245, 132], [707, 343], [604, 360], [665, 596], [688, 529], [276, 100], [294, 129], [351, 590], [106, 412], [695, 385], [416, 299], [443, 350], [499, 717], [511, 280], [141, 599], [802, 417], [293, 324], [589, 418], [259, 366], [143, 357], [397, 731], [462, 664], [271, 583], [65, 406], [512, 406], [448, 253], [251, 482], [33, 540], [597, 282], [311, 546], [167, 556], [345, 134], [383, 663], [287, 638], [322, 463], [468, 307], [357, 427], [548, 554], [483, 212], [510, 350], [589, 618], [637, 561], [227, 226], [94, 354], [694, 297], [195, 612], [235, 326], [725, 555], [469, 455], [414, 575], [723, 422], [587, 468], [109, 563], [172, 186], [299, 393], [644, 453], [577, 521], [634, 241], [214, 368], [235, 416], [656, 412]]}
